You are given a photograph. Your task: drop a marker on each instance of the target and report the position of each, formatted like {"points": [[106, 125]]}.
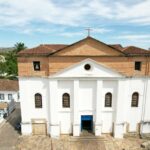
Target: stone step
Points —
{"points": [[87, 138], [131, 135], [145, 136]]}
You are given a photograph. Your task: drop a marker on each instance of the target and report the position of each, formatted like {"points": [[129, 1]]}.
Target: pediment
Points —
{"points": [[89, 47], [96, 70]]}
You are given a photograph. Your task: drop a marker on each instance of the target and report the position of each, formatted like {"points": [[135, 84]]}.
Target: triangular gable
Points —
{"points": [[88, 47], [97, 70]]}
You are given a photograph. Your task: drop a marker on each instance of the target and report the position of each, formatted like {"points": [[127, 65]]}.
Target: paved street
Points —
{"points": [[8, 135]]}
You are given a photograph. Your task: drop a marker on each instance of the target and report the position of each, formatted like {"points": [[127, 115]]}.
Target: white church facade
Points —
{"points": [[88, 85]]}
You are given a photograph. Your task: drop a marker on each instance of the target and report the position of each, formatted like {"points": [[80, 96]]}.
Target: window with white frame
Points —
{"points": [[10, 97], [2, 97]]}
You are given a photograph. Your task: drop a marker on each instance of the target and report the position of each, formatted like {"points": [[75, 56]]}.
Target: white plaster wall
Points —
{"points": [[145, 128], [14, 95], [133, 114], [87, 95], [53, 109], [107, 122], [65, 122], [108, 113], [61, 119], [97, 70], [147, 103], [26, 128], [28, 88], [65, 114]]}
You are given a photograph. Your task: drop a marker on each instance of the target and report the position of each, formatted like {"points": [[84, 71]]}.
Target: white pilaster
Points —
{"points": [[119, 120], [54, 118], [76, 117], [98, 123], [145, 118]]}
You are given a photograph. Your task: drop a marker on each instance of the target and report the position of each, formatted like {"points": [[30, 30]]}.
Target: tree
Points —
{"points": [[19, 46], [11, 63], [9, 68]]}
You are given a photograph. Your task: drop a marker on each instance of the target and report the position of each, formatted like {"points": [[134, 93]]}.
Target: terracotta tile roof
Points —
{"points": [[130, 49], [44, 49], [3, 105], [48, 49], [9, 85], [117, 46], [135, 50]]}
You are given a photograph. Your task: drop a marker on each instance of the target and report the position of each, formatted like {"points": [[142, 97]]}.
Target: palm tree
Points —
{"points": [[19, 46]]}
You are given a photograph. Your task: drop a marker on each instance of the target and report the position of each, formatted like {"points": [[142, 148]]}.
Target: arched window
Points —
{"points": [[38, 100], [108, 100], [135, 99], [66, 100]]}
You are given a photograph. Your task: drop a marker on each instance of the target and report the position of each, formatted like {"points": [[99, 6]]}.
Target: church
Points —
{"points": [[88, 85]]}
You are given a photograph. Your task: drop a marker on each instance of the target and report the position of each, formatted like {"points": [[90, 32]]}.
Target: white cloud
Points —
{"points": [[137, 13], [71, 34], [101, 30], [72, 13], [99, 8], [135, 37], [21, 13]]}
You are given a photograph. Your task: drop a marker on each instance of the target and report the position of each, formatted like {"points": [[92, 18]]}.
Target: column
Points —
{"points": [[25, 104], [145, 122], [98, 119], [119, 120], [54, 107], [76, 116]]}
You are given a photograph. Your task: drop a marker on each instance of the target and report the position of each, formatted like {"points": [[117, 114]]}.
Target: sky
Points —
{"points": [[34, 22]]}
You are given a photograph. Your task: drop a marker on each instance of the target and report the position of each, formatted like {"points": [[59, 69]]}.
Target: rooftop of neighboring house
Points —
{"points": [[8, 85]]}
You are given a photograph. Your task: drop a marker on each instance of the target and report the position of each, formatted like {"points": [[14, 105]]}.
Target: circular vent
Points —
{"points": [[87, 67]]}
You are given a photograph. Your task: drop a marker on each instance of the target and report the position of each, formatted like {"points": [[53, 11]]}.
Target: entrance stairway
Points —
{"points": [[131, 135], [85, 136]]}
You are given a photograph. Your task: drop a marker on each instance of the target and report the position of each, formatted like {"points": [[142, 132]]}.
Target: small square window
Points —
{"points": [[137, 65], [10, 97], [36, 65], [2, 97]]}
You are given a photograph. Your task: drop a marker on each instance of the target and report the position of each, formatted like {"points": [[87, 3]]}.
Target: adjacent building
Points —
{"points": [[9, 91], [88, 85]]}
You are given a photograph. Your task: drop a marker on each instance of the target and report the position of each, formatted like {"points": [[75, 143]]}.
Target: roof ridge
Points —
{"points": [[89, 37], [132, 46]]}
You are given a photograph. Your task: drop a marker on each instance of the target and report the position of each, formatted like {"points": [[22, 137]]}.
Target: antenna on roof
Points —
{"points": [[88, 31]]}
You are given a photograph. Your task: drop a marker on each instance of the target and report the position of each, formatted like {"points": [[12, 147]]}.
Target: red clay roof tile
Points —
{"points": [[47, 49], [43, 49], [8, 85], [135, 50]]}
